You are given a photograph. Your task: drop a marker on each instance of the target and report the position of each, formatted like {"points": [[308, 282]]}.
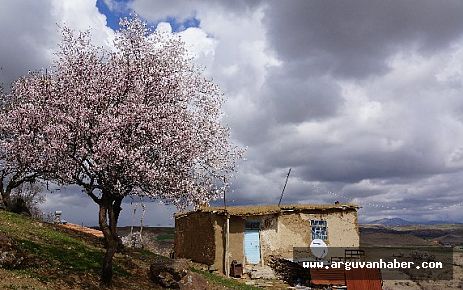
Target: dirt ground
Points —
{"points": [[12, 280], [407, 284]]}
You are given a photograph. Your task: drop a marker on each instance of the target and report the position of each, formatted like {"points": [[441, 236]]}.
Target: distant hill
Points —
{"points": [[391, 222], [397, 222]]}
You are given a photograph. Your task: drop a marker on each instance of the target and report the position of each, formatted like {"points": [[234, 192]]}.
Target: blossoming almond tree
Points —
{"points": [[14, 170], [139, 120]]}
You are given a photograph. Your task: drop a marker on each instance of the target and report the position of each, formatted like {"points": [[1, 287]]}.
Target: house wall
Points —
{"points": [[279, 234], [286, 231], [237, 239], [219, 237], [201, 236], [236, 250], [195, 238]]}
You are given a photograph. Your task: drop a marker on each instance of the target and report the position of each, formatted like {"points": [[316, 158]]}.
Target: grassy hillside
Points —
{"points": [[51, 258], [44, 256]]}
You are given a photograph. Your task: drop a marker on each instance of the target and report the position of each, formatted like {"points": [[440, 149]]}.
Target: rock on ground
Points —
{"points": [[176, 274]]}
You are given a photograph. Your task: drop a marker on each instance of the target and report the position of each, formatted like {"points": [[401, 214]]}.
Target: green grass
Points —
{"points": [[70, 256], [168, 234], [145, 255], [46, 243], [165, 237], [219, 280], [58, 248]]}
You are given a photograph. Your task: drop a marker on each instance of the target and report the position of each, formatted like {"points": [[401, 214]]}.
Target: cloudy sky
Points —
{"points": [[362, 99]]}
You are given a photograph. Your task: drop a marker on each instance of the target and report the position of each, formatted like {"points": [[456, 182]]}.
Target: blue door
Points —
{"points": [[252, 246]]}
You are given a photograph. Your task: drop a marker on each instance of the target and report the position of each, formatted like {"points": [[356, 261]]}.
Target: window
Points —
{"points": [[319, 230]]}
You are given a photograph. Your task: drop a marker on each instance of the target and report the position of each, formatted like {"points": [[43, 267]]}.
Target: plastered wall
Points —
{"points": [[286, 231]]}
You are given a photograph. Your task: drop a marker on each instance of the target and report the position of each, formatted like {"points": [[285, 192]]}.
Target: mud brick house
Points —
{"points": [[257, 232]]}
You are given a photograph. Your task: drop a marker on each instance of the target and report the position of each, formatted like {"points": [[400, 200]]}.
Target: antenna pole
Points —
{"points": [[283, 191]]}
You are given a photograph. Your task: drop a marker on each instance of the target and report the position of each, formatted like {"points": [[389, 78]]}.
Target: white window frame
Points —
{"points": [[319, 229]]}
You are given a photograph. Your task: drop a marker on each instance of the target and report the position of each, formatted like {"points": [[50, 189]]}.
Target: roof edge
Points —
{"points": [[271, 209]]}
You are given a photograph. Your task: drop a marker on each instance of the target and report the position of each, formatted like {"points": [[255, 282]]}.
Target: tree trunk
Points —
{"points": [[109, 210], [6, 198], [5, 190], [113, 222], [107, 271]]}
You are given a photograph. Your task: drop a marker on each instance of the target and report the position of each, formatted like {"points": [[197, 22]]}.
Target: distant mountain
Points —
{"points": [[401, 222], [391, 222]]}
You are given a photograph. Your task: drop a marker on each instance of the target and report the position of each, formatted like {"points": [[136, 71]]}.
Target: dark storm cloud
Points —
{"points": [[320, 45], [78, 208], [355, 38], [350, 163], [437, 197], [23, 44], [31, 31], [295, 98]]}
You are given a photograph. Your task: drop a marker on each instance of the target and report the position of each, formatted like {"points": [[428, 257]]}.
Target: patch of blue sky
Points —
{"points": [[178, 26], [113, 15]]}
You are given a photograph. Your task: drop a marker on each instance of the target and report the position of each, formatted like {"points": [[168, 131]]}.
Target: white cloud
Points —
{"points": [[82, 16], [200, 45]]}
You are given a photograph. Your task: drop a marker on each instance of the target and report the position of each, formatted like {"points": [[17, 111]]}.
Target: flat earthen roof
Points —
{"points": [[250, 210]]}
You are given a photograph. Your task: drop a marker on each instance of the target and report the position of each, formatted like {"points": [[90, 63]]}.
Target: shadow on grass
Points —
{"points": [[76, 257]]}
